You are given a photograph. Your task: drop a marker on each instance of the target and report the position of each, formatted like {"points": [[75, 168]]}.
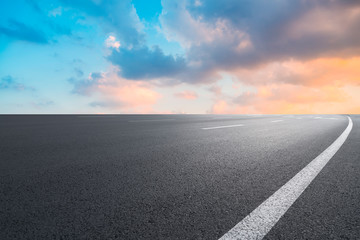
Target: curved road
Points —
{"points": [[173, 176]]}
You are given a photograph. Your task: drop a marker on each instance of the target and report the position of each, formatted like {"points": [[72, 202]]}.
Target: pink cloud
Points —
{"points": [[186, 95], [290, 99], [115, 93]]}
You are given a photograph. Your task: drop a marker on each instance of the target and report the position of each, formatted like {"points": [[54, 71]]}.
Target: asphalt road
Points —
{"points": [[172, 176]]}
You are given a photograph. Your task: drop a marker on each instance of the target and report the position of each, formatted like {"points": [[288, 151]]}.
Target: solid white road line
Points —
{"points": [[259, 222], [228, 126], [277, 121]]}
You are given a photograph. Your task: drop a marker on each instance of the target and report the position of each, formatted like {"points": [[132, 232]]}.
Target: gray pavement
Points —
{"points": [[165, 177]]}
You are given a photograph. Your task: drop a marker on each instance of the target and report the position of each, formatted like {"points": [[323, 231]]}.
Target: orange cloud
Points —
{"points": [[122, 95], [323, 85], [186, 95], [130, 96], [290, 99], [317, 72]]}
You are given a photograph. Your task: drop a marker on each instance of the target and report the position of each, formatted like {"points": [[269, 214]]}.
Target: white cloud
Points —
{"points": [[111, 42]]}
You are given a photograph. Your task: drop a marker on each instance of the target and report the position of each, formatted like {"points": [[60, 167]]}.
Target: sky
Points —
{"points": [[180, 56]]}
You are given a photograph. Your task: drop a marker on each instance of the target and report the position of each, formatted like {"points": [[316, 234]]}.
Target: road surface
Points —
{"points": [[175, 176]]}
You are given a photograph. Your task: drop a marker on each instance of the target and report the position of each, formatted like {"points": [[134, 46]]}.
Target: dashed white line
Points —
{"points": [[326, 118], [228, 126], [277, 121], [259, 222]]}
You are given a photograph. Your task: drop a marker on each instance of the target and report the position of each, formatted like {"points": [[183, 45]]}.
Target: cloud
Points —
{"points": [[116, 93], [286, 98], [20, 31], [111, 42], [78, 72], [314, 72], [190, 95], [180, 26], [288, 28], [115, 16], [324, 85], [9, 83], [298, 55], [86, 86], [232, 34], [291, 94], [142, 63], [222, 107], [216, 90]]}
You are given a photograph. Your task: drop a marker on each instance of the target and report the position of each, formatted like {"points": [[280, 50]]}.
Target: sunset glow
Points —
{"points": [[186, 56]]}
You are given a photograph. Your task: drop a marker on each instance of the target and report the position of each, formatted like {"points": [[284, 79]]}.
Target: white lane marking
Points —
{"points": [[277, 121], [326, 118], [259, 222], [151, 120], [228, 126], [332, 118]]}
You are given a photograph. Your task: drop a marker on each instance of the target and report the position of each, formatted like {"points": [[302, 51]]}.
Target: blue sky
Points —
{"points": [[186, 56]]}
